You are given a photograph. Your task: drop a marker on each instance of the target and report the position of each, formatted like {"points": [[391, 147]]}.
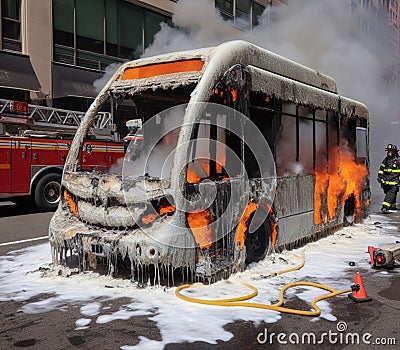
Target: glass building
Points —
{"points": [[51, 51]]}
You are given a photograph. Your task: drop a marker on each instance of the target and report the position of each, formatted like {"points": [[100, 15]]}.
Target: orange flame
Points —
{"points": [[234, 95], [274, 224], [354, 174], [167, 209], [71, 203], [336, 182], [192, 177], [274, 233], [214, 92], [244, 224], [321, 184], [148, 219], [343, 178], [199, 224]]}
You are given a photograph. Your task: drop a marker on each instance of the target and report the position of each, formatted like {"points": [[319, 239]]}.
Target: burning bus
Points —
{"points": [[242, 152]]}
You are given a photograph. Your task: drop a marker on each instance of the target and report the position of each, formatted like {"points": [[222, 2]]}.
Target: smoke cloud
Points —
{"points": [[320, 34], [110, 70], [154, 156]]}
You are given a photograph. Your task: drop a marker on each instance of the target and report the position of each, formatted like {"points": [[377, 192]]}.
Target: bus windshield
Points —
{"points": [[150, 152], [155, 136]]}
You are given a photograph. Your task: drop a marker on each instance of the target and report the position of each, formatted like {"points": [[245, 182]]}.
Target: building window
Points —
{"points": [[95, 33], [244, 13], [130, 29], [90, 25], [256, 13], [226, 8], [11, 25]]}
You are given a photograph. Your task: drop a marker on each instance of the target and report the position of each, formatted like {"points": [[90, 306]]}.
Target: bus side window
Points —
{"points": [[333, 127], [362, 148], [320, 115], [321, 144], [349, 130], [305, 142], [286, 139], [262, 114]]}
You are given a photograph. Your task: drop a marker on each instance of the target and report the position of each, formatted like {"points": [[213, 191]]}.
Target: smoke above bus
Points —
{"points": [[316, 33]]}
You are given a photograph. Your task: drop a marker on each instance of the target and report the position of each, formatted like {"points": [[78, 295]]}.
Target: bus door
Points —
{"points": [[5, 164], [216, 164], [21, 165]]}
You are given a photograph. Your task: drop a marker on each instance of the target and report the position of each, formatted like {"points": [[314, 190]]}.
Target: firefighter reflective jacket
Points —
{"points": [[389, 171]]}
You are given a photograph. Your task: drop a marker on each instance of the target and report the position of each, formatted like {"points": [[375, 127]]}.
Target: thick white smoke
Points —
{"points": [[317, 33], [110, 70], [197, 25], [154, 155]]}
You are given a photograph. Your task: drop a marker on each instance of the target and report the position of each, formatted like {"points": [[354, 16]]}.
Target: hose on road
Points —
{"points": [[241, 300]]}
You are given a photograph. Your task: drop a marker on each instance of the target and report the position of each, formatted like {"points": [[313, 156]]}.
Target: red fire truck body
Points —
{"points": [[31, 165]]}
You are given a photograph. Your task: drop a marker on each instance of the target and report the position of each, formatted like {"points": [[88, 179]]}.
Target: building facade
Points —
{"points": [[51, 51]]}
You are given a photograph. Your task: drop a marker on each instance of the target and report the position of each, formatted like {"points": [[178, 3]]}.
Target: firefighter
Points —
{"points": [[388, 177]]}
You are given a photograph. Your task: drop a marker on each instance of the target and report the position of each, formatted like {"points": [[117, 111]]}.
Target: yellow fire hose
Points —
{"points": [[240, 300]]}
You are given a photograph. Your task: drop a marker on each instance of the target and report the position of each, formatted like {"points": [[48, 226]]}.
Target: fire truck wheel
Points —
{"points": [[258, 242], [48, 192]]}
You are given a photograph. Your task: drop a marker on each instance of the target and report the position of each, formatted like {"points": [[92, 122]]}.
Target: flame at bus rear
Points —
{"points": [[321, 183], [344, 178], [336, 182], [354, 175]]}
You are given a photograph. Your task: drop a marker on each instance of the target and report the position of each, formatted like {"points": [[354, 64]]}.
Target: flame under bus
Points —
{"points": [[318, 139]]}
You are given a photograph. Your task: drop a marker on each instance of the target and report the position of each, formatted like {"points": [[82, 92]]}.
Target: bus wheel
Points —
{"points": [[258, 242], [48, 192]]}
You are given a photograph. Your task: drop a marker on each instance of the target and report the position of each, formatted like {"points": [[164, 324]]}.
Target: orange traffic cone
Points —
{"points": [[358, 293]]}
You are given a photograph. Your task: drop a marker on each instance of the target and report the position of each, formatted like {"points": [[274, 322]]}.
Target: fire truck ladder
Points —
{"points": [[48, 116]]}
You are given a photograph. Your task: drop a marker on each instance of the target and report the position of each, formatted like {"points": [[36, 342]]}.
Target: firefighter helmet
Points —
{"points": [[391, 147]]}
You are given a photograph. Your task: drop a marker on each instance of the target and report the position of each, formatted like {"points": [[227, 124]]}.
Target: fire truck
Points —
{"points": [[34, 143]]}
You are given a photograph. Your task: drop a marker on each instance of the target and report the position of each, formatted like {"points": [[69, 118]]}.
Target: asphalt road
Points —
{"points": [[19, 224], [57, 329]]}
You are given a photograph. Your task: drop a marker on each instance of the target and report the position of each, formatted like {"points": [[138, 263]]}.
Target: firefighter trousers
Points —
{"points": [[390, 195]]}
